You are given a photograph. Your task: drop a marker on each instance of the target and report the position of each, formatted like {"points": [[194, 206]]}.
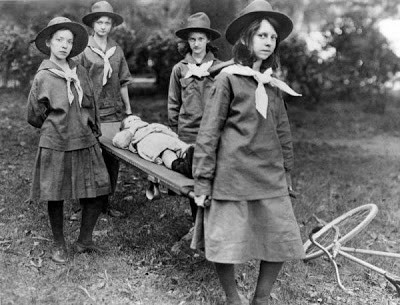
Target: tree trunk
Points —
{"points": [[221, 13]]}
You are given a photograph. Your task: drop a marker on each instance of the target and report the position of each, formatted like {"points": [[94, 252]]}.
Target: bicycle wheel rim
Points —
{"points": [[349, 225]]}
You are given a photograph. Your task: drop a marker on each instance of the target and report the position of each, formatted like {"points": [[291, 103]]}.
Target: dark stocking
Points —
{"points": [[56, 215], [226, 275], [268, 273], [91, 209]]}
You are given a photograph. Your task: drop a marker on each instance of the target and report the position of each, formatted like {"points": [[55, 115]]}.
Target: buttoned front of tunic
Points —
{"points": [[187, 97], [108, 97], [239, 155], [63, 126]]}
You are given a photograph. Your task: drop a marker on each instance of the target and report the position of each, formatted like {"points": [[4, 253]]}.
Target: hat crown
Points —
{"points": [[257, 6], [256, 10], [102, 6], [57, 20], [198, 20]]}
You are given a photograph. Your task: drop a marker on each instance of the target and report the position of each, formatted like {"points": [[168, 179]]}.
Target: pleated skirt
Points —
{"points": [[65, 175], [238, 231]]}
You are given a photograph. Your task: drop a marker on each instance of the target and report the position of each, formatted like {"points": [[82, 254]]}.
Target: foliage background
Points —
{"points": [[352, 58], [344, 158]]}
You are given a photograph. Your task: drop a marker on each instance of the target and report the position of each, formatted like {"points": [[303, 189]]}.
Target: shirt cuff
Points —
{"points": [[126, 82], [202, 187]]}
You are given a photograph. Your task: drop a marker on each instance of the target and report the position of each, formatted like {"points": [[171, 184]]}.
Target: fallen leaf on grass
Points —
{"points": [[99, 285], [128, 198], [36, 262], [87, 293], [100, 233], [273, 295]]}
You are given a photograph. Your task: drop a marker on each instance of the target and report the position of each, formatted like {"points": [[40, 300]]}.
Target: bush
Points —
{"points": [[358, 70], [302, 69], [161, 54], [363, 61], [126, 38]]}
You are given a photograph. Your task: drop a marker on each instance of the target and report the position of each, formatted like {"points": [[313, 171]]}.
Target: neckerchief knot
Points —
{"points": [[261, 96], [71, 77], [107, 66], [199, 71]]}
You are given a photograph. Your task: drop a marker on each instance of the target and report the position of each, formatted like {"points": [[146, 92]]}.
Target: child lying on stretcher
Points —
{"points": [[156, 143]]}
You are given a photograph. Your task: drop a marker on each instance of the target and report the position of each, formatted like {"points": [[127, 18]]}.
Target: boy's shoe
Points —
{"points": [[90, 247], [59, 254], [184, 165]]}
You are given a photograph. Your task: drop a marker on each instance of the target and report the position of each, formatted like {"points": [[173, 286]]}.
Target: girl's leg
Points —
{"points": [[56, 216], [268, 273], [91, 209], [226, 275], [112, 165]]}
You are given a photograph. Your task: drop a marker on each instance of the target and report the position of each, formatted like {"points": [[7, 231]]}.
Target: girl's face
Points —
{"points": [[61, 44], [198, 42], [264, 41], [102, 26]]}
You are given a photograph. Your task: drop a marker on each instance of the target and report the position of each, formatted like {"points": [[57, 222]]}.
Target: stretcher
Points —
{"points": [[156, 174]]}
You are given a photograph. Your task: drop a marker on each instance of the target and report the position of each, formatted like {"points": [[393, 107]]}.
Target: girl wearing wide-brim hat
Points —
{"points": [[108, 70], [190, 80], [243, 157], [69, 164]]}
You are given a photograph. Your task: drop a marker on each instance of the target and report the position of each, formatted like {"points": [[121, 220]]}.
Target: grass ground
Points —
{"points": [[140, 267]]}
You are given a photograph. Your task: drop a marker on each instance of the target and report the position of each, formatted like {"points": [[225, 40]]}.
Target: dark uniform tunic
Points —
{"points": [[240, 161], [187, 98], [69, 164]]}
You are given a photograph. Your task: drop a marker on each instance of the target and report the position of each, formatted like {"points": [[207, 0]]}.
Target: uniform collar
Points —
{"points": [[190, 60], [48, 64], [110, 43]]}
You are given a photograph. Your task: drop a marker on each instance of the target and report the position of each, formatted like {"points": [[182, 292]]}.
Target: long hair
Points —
{"points": [[243, 52], [184, 47]]}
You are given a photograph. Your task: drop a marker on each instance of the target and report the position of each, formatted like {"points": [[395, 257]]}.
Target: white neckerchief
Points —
{"points": [[71, 77], [261, 78], [107, 66], [199, 71]]}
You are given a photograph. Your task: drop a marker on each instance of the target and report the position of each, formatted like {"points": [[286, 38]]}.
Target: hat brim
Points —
{"points": [[91, 17], [184, 33], [235, 28], [81, 37]]}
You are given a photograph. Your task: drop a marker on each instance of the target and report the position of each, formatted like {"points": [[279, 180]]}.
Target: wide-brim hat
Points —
{"points": [[256, 10], [198, 22], [100, 9], [80, 35]]}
